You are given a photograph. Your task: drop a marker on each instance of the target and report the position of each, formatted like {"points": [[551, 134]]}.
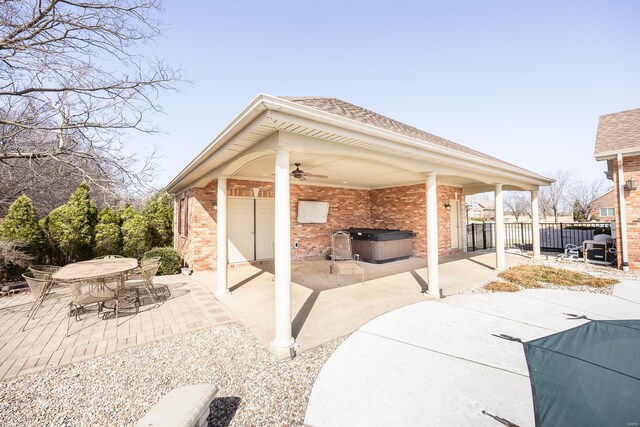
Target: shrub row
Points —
{"points": [[78, 231]]}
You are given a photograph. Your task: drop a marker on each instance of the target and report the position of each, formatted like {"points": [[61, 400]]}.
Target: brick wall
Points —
{"points": [[631, 166], [397, 207]]}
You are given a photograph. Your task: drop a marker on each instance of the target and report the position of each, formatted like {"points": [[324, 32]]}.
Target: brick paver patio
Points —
{"points": [[186, 306]]}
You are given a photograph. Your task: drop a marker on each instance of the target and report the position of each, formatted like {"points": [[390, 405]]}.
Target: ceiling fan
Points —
{"points": [[301, 175]]}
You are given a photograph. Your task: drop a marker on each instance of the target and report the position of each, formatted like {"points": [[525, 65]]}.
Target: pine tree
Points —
{"points": [[159, 215], [71, 226], [136, 233], [21, 224], [108, 235]]}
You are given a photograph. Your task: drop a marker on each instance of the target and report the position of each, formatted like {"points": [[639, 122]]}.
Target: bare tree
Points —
{"points": [[553, 198], [517, 204], [74, 82], [585, 193]]}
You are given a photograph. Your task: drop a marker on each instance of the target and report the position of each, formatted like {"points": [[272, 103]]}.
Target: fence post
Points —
{"points": [[473, 237], [484, 236], [561, 237]]}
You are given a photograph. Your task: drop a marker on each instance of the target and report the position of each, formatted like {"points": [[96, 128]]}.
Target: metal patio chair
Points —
{"points": [[109, 257], [342, 256], [39, 289], [93, 291], [147, 272], [43, 271]]}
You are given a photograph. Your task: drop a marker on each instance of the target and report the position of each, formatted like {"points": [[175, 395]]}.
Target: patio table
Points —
{"points": [[99, 270], [94, 269]]}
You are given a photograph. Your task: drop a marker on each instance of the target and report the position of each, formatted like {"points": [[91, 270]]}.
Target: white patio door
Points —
{"points": [[240, 229], [265, 228], [251, 229], [454, 217]]}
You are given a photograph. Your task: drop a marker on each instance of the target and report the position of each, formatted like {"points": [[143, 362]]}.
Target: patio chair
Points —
{"points": [[342, 257], [109, 257], [43, 271], [136, 273], [571, 252], [39, 287], [93, 291], [147, 272]]}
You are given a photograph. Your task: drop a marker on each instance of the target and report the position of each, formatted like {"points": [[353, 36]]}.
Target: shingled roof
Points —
{"points": [[347, 110], [618, 133]]}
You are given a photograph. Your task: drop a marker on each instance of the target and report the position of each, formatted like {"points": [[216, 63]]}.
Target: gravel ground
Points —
{"points": [[118, 389]]}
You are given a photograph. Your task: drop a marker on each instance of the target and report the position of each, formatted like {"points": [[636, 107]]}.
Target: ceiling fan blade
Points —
{"points": [[312, 175]]}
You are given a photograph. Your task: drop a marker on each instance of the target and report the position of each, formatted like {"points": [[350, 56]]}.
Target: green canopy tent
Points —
{"points": [[586, 376]]}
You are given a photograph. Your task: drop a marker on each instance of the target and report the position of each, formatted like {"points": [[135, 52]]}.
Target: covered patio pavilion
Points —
{"points": [[236, 202]]}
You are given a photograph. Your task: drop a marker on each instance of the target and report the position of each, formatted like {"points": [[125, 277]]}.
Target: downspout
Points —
{"points": [[623, 214]]}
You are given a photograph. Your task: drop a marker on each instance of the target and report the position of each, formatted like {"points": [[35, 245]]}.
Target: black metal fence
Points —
{"points": [[553, 236]]}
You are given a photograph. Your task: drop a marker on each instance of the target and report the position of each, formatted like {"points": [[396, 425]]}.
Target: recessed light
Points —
{"points": [[344, 182]]}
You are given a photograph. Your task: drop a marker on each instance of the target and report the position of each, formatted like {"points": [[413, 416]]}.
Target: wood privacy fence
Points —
{"points": [[553, 236]]}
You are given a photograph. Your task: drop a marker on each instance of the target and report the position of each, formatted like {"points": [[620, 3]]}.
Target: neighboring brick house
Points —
{"points": [[604, 207], [480, 210], [238, 200], [618, 142]]}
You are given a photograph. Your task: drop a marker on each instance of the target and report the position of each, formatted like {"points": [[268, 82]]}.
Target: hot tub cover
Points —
{"points": [[379, 234], [588, 375]]}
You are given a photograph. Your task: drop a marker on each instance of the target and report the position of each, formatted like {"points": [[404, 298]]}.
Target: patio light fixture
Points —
{"points": [[631, 184], [447, 206]]}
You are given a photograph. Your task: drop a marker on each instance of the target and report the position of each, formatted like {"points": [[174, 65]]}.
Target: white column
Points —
{"points": [[283, 341], [535, 224], [499, 228], [623, 214], [222, 287], [432, 236]]}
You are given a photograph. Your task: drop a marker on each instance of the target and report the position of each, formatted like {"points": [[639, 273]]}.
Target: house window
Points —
{"points": [[607, 212]]}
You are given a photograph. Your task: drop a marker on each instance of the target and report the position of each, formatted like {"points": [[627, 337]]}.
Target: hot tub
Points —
{"points": [[381, 245]]}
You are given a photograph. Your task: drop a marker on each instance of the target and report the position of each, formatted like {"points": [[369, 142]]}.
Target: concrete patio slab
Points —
{"points": [[322, 310], [436, 362], [627, 289]]}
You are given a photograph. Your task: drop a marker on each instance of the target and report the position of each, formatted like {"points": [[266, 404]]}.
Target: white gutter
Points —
{"points": [[609, 155], [623, 215]]}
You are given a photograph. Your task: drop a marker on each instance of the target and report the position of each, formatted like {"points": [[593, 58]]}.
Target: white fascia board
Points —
{"points": [[420, 150], [318, 115], [265, 102]]}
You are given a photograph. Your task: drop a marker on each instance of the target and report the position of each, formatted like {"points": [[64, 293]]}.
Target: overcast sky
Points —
{"points": [[522, 81]]}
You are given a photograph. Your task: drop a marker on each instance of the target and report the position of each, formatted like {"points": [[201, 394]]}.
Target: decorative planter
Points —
{"points": [[186, 271]]}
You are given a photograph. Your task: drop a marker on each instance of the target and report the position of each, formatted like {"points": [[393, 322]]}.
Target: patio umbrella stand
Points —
{"points": [[587, 376]]}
